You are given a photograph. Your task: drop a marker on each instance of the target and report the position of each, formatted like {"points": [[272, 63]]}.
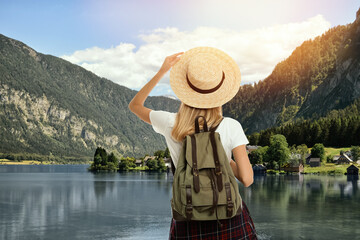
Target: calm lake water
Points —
{"points": [[67, 202]]}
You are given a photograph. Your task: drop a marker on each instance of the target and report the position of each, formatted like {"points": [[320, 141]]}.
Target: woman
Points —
{"points": [[203, 78]]}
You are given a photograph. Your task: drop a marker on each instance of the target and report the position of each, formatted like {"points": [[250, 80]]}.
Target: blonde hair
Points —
{"points": [[185, 120]]}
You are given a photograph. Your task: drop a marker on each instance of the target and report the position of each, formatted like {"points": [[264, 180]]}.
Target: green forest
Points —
{"points": [[340, 128], [55, 110], [111, 162], [278, 153]]}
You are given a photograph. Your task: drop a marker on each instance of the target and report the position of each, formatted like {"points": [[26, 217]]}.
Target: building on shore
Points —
{"points": [[293, 168], [344, 159], [250, 148], [139, 162], [315, 162], [335, 158], [352, 170], [259, 169]]}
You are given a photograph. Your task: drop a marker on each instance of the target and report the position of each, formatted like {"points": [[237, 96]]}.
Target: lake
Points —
{"points": [[67, 202]]}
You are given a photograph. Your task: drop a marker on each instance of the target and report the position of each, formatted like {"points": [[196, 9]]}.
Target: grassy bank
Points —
{"points": [[325, 168], [328, 168], [334, 151]]}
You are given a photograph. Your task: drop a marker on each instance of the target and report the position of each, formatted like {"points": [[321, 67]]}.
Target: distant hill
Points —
{"points": [[49, 105], [320, 75]]}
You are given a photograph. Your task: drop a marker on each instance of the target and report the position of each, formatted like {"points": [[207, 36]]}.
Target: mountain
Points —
{"points": [[171, 97], [320, 75], [50, 106]]}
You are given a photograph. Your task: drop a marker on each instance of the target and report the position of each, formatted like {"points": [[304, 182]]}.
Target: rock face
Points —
{"points": [[49, 105], [342, 86], [320, 75]]}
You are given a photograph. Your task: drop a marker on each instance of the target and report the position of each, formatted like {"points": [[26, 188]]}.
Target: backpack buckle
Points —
{"points": [[230, 208], [189, 209], [218, 173]]}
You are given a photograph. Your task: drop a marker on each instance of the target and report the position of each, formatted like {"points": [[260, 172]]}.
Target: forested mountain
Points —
{"points": [[320, 75], [339, 128], [49, 105]]}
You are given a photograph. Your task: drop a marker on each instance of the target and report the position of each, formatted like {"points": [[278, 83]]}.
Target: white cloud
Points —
{"points": [[256, 51]]}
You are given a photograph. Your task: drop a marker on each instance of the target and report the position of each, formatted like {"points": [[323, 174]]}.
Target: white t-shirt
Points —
{"points": [[230, 130]]}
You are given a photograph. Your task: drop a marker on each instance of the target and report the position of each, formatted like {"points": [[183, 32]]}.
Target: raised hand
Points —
{"points": [[170, 61]]}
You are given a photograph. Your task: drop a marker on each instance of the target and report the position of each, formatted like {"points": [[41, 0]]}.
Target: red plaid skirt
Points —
{"points": [[238, 227]]}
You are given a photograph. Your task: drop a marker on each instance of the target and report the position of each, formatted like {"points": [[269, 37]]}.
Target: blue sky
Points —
{"points": [[138, 34]]}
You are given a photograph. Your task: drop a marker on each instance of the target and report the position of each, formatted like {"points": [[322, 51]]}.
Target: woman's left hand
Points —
{"points": [[170, 61]]}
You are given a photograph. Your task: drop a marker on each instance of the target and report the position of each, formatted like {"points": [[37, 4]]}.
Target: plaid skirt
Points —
{"points": [[238, 227]]}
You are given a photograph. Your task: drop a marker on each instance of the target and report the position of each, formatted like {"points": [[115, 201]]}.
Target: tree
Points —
{"points": [[97, 160], [329, 158], [102, 152], [293, 148], [315, 131], [124, 165], [278, 151], [255, 157], [161, 164], [111, 166], [113, 159], [96, 164], [294, 159], [303, 150], [130, 162], [258, 156], [318, 151], [167, 153], [152, 164], [355, 153], [159, 154], [254, 138]]}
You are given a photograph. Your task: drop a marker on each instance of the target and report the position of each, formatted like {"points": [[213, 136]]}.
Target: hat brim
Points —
{"points": [[189, 96]]}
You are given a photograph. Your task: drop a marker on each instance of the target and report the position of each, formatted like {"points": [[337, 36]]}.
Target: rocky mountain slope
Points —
{"points": [[320, 75], [49, 105]]}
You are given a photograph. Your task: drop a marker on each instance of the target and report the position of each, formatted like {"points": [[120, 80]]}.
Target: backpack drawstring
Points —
{"points": [[216, 196]]}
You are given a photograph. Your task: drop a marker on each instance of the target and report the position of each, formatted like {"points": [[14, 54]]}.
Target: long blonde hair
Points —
{"points": [[185, 120]]}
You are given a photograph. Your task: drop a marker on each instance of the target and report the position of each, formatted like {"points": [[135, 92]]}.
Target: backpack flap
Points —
{"points": [[202, 148]]}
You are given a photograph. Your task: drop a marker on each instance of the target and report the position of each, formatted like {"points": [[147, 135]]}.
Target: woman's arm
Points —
{"points": [[241, 166], [136, 105], [234, 168]]}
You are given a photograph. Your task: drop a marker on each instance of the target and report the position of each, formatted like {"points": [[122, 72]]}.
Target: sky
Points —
{"points": [[127, 41]]}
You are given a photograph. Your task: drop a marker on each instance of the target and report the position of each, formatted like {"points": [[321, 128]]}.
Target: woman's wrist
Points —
{"points": [[162, 71]]}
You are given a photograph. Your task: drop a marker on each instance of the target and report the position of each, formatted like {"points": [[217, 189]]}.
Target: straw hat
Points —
{"points": [[205, 77]]}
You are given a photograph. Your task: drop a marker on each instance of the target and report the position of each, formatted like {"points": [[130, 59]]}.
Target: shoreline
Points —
{"points": [[327, 169], [36, 162]]}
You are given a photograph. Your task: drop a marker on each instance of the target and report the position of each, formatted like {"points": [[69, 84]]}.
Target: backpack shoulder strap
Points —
{"points": [[172, 167]]}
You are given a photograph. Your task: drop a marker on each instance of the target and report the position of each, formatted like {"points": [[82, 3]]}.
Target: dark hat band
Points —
{"points": [[206, 90]]}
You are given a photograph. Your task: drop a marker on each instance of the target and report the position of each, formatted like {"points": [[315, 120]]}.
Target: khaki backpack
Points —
{"points": [[204, 185]]}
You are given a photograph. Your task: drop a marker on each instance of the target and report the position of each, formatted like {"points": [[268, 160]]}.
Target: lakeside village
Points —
{"points": [[277, 158]]}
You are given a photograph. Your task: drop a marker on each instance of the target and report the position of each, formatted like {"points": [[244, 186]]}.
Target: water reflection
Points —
{"points": [[292, 206], [36, 204]]}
